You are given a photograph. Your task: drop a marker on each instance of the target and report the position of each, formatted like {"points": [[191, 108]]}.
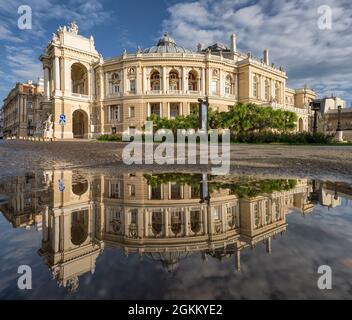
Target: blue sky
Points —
{"points": [[318, 58]]}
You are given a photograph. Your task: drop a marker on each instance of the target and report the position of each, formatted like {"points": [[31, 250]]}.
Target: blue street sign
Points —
{"points": [[62, 119], [61, 185]]}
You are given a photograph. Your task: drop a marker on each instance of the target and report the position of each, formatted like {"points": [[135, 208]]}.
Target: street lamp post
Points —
{"points": [[315, 107], [203, 114], [339, 132]]}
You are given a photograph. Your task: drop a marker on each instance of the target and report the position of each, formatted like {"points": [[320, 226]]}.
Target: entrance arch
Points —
{"points": [[300, 125], [80, 124]]}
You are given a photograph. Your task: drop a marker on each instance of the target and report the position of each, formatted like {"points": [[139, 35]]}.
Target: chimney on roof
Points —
{"points": [[233, 43], [266, 56]]}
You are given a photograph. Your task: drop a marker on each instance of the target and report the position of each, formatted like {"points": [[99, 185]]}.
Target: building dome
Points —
{"points": [[167, 44]]}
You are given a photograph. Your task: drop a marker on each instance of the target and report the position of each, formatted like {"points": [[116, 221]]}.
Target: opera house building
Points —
{"points": [[86, 95]]}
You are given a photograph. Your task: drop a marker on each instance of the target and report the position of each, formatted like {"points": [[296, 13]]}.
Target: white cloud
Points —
{"points": [[319, 58], [23, 63]]}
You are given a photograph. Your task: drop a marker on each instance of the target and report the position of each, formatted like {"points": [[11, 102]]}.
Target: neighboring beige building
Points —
{"points": [[328, 117], [100, 96], [22, 111]]}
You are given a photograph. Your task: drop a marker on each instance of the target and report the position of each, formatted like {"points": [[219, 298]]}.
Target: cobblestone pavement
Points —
{"points": [[324, 162]]}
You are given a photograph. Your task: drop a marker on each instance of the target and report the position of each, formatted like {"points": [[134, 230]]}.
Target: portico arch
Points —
{"points": [[79, 78], [80, 124]]}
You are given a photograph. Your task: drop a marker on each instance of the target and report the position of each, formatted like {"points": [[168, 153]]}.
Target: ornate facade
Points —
{"points": [[102, 96], [22, 111]]}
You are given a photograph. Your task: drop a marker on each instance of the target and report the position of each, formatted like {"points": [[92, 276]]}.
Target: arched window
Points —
{"points": [[195, 221], [228, 84], [255, 87], [176, 222], [193, 81], [115, 83], [155, 81], [157, 223], [267, 90], [277, 92], [174, 80], [79, 227]]}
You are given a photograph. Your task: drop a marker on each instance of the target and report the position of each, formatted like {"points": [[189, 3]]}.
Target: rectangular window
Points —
{"points": [[193, 107], [133, 86], [216, 213], [175, 191], [114, 113], [214, 87], [134, 216], [132, 190], [174, 110], [155, 192], [114, 190], [155, 109], [131, 112]]}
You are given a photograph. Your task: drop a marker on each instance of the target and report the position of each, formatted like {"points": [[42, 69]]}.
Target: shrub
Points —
{"points": [[110, 137], [274, 137]]}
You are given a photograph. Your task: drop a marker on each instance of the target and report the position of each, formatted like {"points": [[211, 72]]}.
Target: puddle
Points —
{"points": [[173, 236]]}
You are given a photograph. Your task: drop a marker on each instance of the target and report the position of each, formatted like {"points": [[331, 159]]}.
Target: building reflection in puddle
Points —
{"points": [[163, 217]]}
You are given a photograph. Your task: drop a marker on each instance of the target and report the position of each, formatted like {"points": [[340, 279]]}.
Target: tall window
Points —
{"points": [[174, 110], [267, 90], [214, 87], [131, 112], [132, 190], [133, 86], [228, 85], [174, 81], [216, 213], [114, 113], [155, 81], [155, 109], [115, 83], [192, 81], [255, 87], [175, 189], [114, 190], [134, 216]]}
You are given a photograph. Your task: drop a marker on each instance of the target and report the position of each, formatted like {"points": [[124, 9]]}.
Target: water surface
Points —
{"points": [[173, 236]]}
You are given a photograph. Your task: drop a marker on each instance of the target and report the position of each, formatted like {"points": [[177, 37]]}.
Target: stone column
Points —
{"points": [[46, 83], [57, 73], [93, 81], [222, 84], [146, 222], [145, 80], [209, 79], [202, 89], [166, 222], [125, 79], [45, 224], [187, 221], [164, 75], [184, 81], [56, 237], [106, 84], [139, 82]]}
